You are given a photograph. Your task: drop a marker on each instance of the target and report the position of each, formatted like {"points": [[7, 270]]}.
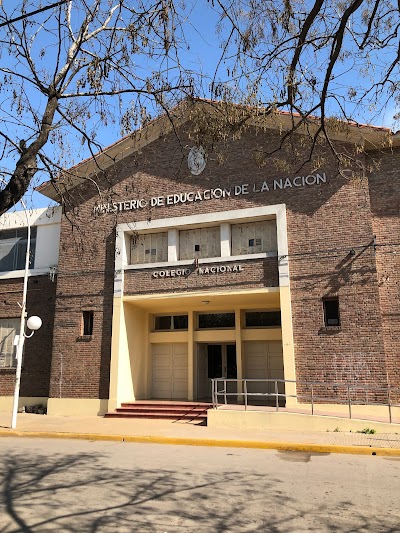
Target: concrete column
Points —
{"points": [[225, 230], [173, 245], [116, 365], [147, 353], [239, 351], [192, 367], [289, 368]]}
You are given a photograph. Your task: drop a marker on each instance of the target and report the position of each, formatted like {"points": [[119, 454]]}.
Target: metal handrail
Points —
{"points": [[276, 394]]}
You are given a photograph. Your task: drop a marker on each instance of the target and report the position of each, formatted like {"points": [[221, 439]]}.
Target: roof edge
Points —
{"points": [[370, 137]]}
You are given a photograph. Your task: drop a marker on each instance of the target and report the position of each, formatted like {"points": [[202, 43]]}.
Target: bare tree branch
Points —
{"points": [[32, 13]]}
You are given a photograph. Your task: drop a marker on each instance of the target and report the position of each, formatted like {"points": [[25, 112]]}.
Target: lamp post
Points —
{"points": [[33, 323]]}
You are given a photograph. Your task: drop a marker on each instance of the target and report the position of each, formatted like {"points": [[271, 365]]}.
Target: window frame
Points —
{"points": [[149, 258], [87, 319], [324, 306], [172, 328], [19, 241], [216, 327], [197, 235], [261, 311], [10, 356]]}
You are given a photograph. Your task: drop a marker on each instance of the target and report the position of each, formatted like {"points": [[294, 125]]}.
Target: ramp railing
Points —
{"points": [[272, 392]]}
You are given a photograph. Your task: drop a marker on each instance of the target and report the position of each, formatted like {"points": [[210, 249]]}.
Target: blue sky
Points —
{"points": [[202, 54]]}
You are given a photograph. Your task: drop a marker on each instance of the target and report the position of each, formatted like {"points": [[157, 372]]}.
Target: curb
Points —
{"points": [[221, 443]]}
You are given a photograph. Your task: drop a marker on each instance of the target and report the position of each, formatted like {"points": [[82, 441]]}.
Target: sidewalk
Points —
{"points": [[175, 432]]}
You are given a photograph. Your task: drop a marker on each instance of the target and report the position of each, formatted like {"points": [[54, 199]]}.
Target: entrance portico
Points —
{"points": [[180, 363], [226, 298]]}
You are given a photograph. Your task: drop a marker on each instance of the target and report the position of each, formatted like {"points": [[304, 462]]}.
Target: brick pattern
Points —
{"points": [[255, 274], [325, 222], [35, 375], [385, 207]]}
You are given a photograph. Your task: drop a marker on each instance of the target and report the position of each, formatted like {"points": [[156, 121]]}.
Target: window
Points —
{"points": [[216, 320], [149, 248], [254, 237], [263, 319], [331, 312], [200, 243], [8, 330], [13, 244], [87, 322], [170, 322]]}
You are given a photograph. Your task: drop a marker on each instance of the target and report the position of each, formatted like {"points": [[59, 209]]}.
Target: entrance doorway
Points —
{"points": [[215, 361]]}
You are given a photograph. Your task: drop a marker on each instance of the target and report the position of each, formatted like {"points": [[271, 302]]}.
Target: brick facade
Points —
{"points": [[35, 375], [385, 210], [331, 228], [255, 274]]}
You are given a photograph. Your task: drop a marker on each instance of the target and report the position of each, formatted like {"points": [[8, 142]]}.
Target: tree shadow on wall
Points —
{"points": [[357, 268], [77, 492]]}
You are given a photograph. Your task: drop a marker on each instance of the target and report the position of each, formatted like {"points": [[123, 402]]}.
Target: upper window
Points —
{"points": [[87, 322], [13, 244], [8, 330], [170, 322], [200, 243], [216, 320], [254, 237], [263, 319], [149, 248], [331, 312]]}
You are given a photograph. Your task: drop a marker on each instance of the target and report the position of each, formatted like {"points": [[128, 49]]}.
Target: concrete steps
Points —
{"points": [[159, 410]]}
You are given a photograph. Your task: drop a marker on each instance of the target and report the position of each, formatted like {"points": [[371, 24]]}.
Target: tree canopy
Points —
{"points": [[72, 69], [79, 67]]}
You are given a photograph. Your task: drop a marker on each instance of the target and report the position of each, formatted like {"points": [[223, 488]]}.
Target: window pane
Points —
{"points": [[20, 254], [254, 237], [8, 330], [149, 248], [180, 321], [13, 245], [216, 320], [162, 322], [7, 251], [87, 317], [214, 361], [331, 312], [263, 319], [200, 243]]}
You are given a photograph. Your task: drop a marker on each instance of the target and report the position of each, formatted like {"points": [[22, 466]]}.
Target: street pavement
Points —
{"points": [[57, 485], [173, 432]]}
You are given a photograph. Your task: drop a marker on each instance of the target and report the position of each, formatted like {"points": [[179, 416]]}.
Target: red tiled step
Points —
{"points": [[164, 409], [158, 416], [171, 410], [166, 403]]}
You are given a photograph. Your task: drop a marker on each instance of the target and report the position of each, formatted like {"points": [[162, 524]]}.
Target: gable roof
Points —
{"points": [[370, 137]]}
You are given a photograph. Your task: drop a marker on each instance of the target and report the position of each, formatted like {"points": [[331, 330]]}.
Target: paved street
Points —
{"points": [[82, 486]]}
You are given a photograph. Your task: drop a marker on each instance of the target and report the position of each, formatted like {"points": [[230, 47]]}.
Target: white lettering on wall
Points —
{"points": [[201, 271], [211, 194]]}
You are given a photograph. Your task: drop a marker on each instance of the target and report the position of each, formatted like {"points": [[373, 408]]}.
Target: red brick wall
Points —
{"points": [[35, 376], [256, 273], [385, 205], [325, 222]]}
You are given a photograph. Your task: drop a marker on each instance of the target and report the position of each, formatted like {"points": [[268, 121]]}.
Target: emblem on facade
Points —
{"points": [[197, 160]]}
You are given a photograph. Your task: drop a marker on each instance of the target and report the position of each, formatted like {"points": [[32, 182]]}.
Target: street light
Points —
{"points": [[33, 323]]}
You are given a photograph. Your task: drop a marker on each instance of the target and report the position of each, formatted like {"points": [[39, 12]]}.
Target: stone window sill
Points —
{"points": [[330, 330], [84, 338]]}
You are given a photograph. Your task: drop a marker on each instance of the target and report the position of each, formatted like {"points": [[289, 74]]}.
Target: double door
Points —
{"points": [[215, 361]]}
